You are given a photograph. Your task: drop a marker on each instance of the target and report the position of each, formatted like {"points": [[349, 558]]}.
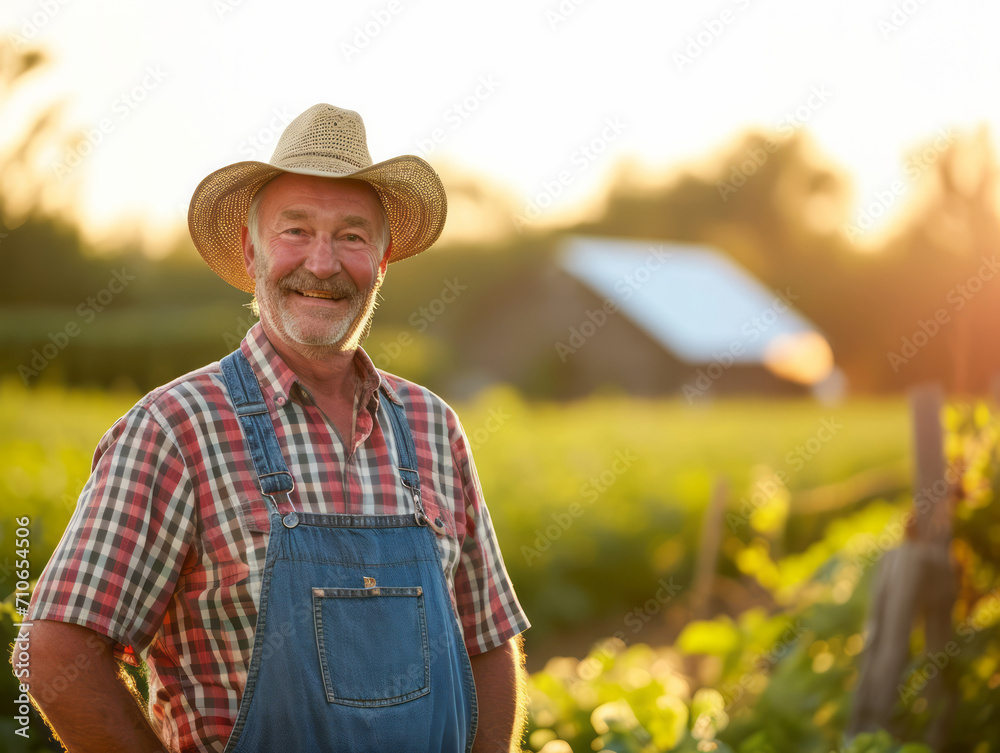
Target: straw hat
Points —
{"points": [[329, 142]]}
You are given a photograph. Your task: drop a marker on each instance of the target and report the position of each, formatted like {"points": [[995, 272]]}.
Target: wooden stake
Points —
{"points": [[913, 580], [708, 552]]}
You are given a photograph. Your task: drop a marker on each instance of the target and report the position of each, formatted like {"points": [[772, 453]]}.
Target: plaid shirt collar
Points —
{"points": [[279, 383]]}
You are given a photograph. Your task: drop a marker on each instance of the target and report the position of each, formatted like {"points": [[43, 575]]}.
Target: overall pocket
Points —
{"points": [[372, 644]]}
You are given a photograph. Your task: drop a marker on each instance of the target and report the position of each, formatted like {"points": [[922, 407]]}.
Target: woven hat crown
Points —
{"points": [[321, 138], [327, 142]]}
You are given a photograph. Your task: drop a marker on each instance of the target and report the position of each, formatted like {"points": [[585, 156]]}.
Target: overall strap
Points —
{"points": [[405, 448], [258, 430], [407, 453]]}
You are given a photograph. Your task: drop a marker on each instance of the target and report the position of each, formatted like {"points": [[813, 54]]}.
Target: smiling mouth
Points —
{"points": [[317, 294]]}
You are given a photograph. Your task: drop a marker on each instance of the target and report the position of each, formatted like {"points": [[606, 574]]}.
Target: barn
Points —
{"points": [[650, 319]]}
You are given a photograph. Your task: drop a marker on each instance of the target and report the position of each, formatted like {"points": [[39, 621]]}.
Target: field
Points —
{"points": [[599, 507]]}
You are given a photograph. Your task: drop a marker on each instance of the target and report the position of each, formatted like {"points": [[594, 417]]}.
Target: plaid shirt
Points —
{"points": [[165, 550]]}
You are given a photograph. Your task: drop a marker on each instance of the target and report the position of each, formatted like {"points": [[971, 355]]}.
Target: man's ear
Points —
{"points": [[248, 251], [384, 264]]}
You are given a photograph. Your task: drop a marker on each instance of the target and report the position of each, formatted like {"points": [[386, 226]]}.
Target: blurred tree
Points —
{"points": [[941, 270], [34, 245], [22, 183]]}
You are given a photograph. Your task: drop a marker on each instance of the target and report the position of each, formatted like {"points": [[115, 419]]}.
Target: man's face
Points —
{"points": [[319, 265]]}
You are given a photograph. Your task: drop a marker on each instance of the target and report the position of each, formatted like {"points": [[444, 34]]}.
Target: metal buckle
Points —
{"points": [[418, 509]]}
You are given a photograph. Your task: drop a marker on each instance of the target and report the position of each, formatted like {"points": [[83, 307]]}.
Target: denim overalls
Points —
{"points": [[357, 647]]}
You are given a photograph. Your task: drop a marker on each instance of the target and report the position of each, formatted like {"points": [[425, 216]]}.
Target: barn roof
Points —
{"points": [[692, 299]]}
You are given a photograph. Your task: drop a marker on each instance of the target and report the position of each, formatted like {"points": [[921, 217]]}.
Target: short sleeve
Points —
{"points": [[119, 559], [487, 604]]}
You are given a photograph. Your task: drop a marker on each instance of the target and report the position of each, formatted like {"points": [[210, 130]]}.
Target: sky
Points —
{"points": [[543, 99]]}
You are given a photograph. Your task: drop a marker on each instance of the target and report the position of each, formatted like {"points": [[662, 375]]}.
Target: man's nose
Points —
{"points": [[323, 258]]}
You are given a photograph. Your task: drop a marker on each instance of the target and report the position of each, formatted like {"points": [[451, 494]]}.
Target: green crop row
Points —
{"points": [[782, 680]]}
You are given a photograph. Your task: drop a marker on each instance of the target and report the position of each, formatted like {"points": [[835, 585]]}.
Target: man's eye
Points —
{"points": [[294, 231], [353, 238]]}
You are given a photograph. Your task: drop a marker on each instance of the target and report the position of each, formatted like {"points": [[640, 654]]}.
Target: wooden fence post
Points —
{"points": [[708, 552], [913, 580]]}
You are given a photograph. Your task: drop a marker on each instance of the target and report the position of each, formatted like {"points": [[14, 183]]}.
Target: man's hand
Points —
{"points": [[75, 681], [502, 697]]}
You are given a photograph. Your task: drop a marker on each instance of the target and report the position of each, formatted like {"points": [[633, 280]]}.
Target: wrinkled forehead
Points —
{"points": [[289, 187], [312, 198]]}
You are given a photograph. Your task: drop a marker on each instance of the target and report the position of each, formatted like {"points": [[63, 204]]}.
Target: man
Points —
{"points": [[295, 542]]}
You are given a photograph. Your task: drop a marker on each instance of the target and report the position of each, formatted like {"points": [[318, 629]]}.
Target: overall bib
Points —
{"points": [[357, 647]]}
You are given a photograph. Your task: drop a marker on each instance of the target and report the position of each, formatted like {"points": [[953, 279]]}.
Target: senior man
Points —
{"points": [[294, 541]]}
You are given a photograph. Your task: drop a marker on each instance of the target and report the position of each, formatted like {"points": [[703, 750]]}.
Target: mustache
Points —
{"points": [[338, 287]]}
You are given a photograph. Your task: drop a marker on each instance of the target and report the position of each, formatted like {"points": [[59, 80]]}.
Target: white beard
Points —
{"points": [[341, 332]]}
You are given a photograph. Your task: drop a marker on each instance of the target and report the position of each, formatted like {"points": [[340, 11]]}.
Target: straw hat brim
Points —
{"points": [[411, 192]]}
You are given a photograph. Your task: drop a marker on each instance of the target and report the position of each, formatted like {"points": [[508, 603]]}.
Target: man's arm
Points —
{"points": [[138, 510], [502, 697], [74, 680]]}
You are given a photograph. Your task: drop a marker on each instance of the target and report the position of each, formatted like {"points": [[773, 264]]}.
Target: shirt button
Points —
{"points": [[280, 400]]}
